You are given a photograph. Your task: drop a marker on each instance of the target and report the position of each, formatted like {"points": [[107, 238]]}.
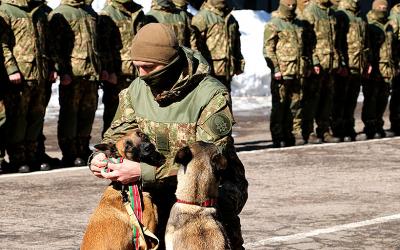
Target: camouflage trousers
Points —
{"points": [[346, 94], [394, 106], [285, 122], [163, 197], [78, 104], [2, 134], [111, 99], [25, 114], [376, 95], [318, 101], [42, 138]]}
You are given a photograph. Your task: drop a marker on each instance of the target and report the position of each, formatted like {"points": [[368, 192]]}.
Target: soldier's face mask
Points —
{"points": [[380, 14], [288, 10], [219, 4], [163, 78]]}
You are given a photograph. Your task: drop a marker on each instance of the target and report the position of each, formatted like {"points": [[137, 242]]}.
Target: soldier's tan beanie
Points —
{"points": [[377, 3], [155, 42]]}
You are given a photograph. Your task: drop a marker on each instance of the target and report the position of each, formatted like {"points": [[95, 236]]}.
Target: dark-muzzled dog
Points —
{"points": [[193, 223], [109, 226]]}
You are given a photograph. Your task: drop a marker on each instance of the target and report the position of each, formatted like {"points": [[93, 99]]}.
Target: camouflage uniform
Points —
{"points": [[164, 11], [352, 42], [76, 54], [197, 108], [394, 106], [3, 81], [318, 96], [118, 24], [24, 35], [377, 89], [285, 53], [220, 32]]}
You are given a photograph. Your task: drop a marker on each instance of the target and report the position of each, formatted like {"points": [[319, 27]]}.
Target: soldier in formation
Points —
{"points": [[287, 58], [25, 47], [219, 32], [78, 63], [119, 22]]}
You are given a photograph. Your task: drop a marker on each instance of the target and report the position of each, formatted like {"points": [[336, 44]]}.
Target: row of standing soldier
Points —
{"points": [[83, 49], [320, 54]]}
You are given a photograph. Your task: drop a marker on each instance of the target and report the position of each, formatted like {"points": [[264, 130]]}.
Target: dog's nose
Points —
{"points": [[146, 148]]}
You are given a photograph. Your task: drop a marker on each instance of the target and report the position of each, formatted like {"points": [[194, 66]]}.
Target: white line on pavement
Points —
{"points": [[323, 145], [317, 232], [4, 176]]}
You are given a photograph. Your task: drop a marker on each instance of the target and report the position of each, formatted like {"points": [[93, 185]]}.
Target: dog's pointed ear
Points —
{"points": [[183, 156], [102, 147], [220, 161]]}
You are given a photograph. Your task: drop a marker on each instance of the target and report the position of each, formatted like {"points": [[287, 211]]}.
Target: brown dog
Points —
{"points": [[193, 222], [110, 225]]}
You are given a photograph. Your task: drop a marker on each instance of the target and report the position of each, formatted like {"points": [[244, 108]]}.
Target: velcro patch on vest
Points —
{"points": [[220, 124], [162, 141]]}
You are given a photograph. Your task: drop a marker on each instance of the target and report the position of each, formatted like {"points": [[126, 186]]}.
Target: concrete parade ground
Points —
{"points": [[329, 196]]}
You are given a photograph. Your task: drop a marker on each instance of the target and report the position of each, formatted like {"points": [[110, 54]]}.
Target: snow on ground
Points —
{"points": [[250, 90]]}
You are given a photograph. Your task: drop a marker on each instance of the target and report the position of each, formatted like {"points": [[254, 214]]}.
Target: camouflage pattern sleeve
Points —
{"points": [[310, 19], [237, 53], [215, 125], [394, 23], [6, 39], [270, 42], [60, 49], [124, 119], [200, 23], [341, 39], [106, 34]]}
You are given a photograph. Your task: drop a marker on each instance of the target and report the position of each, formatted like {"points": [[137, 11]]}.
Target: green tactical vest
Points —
{"points": [[173, 126]]}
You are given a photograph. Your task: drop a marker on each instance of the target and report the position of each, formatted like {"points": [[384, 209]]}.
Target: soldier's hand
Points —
{"points": [[53, 76], [98, 163], [15, 78], [125, 172], [369, 71], [65, 79], [104, 75], [317, 70], [278, 76], [112, 78]]}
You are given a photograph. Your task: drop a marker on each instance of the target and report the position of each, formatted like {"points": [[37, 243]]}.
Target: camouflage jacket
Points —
{"points": [[352, 41], [117, 27], [394, 22], [323, 23], [221, 35], [24, 34], [381, 42], [178, 20], [200, 110], [75, 49], [284, 49]]}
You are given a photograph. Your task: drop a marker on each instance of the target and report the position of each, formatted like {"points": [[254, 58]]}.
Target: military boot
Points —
{"points": [[298, 140], [329, 138], [313, 139]]}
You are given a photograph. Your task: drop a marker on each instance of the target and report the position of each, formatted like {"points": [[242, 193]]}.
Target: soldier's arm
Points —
{"points": [[106, 39], [239, 60], [124, 120], [310, 19], [59, 47], [270, 42], [341, 37], [6, 38], [200, 26], [215, 126], [396, 46]]}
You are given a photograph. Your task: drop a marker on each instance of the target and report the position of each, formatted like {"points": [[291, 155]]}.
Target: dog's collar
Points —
{"points": [[207, 203]]}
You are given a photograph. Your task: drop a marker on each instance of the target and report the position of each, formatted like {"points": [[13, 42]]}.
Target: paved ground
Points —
{"points": [[332, 196]]}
